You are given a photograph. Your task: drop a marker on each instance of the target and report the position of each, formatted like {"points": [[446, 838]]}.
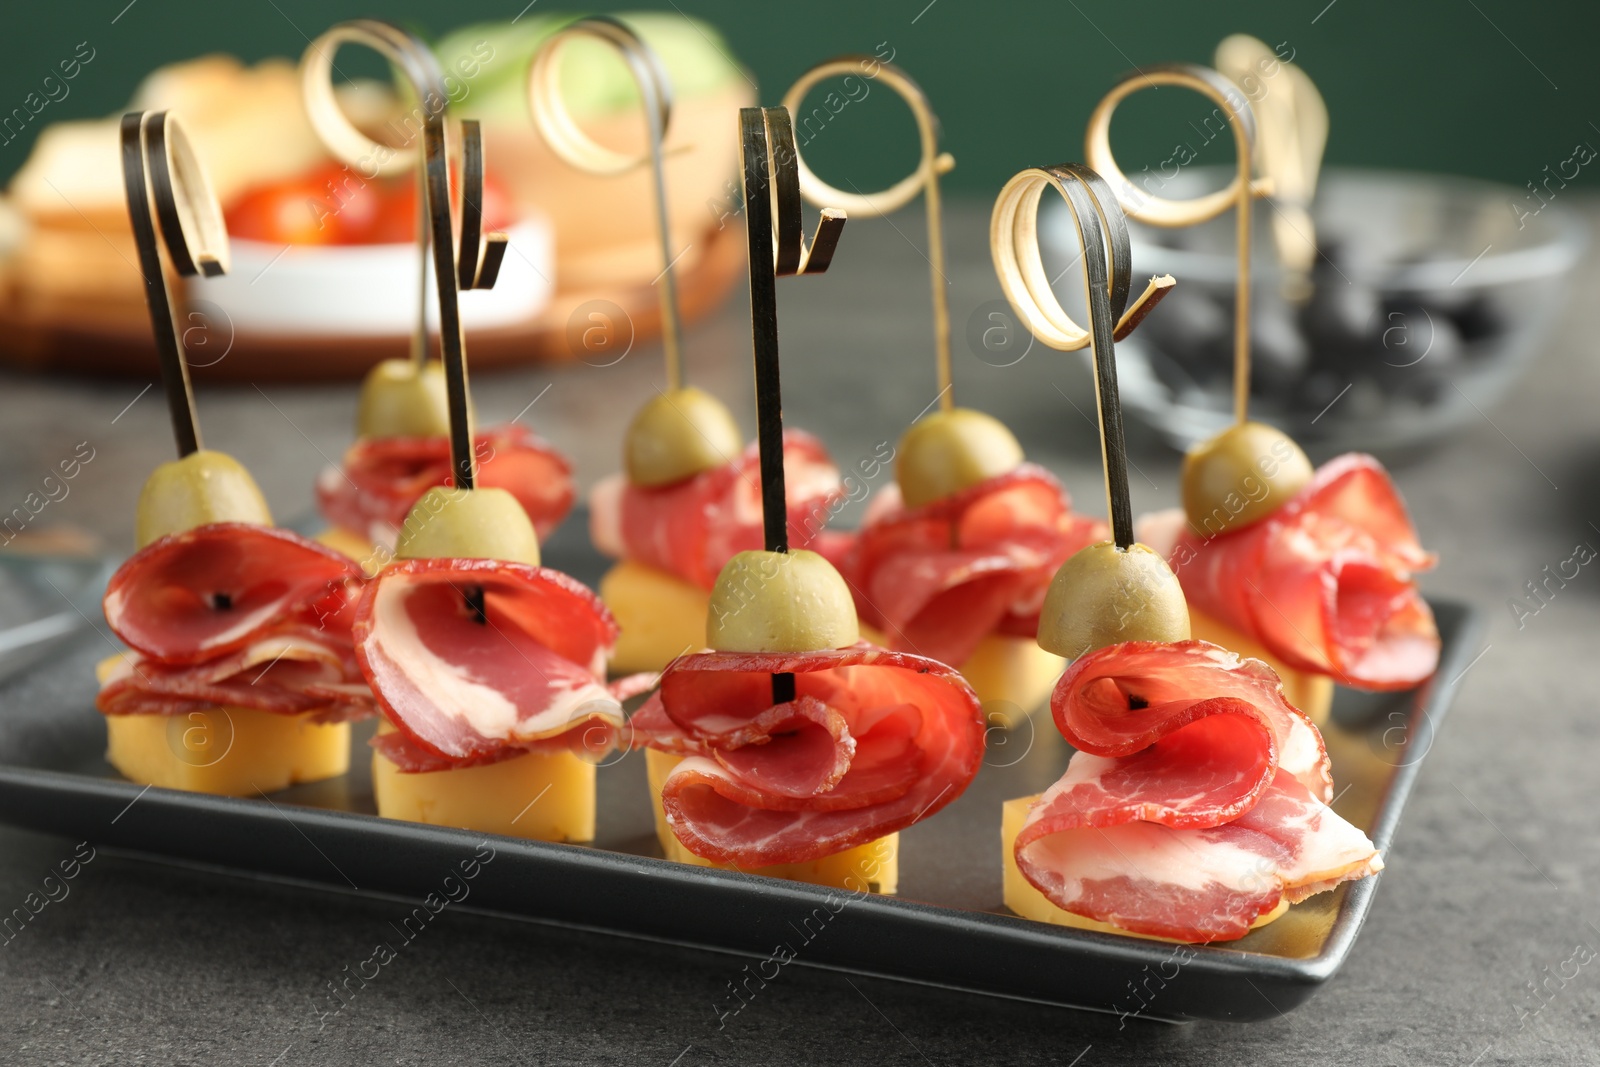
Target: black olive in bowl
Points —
{"points": [[1427, 302]]}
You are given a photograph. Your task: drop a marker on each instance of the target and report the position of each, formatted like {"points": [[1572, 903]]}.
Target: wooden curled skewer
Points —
{"points": [[555, 123], [769, 172], [165, 183], [925, 180], [1103, 229], [477, 262], [1158, 211]]}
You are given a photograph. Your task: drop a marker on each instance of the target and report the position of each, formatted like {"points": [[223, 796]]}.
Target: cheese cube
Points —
{"points": [[874, 866], [540, 796], [1021, 897], [661, 616], [1012, 675], [363, 551], [234, 752], [1311, 693]]}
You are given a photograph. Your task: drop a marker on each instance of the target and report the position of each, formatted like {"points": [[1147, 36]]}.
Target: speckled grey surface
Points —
{"points": [[1490, 883]]}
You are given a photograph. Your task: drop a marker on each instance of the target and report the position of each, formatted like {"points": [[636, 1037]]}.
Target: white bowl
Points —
{"points": [[370, 290]]}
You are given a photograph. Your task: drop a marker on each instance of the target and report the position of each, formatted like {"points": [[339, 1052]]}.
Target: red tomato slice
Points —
{"points": [[335, 205]]}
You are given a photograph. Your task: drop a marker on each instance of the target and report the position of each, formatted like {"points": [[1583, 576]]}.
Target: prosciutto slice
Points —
{"points": [[1197, 800], [461, 690], [383, 476], [694, 527], [288, 672], [214, 589], [1327, 583], [873, 742], [938, 579], [235, 615]]}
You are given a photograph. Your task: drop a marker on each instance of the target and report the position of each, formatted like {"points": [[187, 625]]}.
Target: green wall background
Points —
{"points": [[1495, 88]]}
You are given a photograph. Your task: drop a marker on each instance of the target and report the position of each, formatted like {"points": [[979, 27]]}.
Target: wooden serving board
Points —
{"points": [[112, 337]]}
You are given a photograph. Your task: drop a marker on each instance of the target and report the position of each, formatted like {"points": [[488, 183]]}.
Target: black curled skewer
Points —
{"points": [[1102, 228], [773, 224], [452, 345], [164, 182], [480, 252]]}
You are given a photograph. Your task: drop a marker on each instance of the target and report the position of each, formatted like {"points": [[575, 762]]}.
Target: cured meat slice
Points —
{"points": [[1122, 699], [692, 528], [1326, 583], [1197, 800], [382, 477], [873, 742], [526, 675], [213, 590], [937, 579], [290, 671], [1196, 884]]}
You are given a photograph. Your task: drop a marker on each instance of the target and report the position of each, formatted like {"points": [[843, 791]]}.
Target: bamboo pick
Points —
{"points": [[1158, 211], [554, 121]]}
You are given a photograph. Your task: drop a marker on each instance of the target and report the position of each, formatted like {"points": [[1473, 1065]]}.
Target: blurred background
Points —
{"points": [[1396, 270], [1491, 88], [1448, 215]]}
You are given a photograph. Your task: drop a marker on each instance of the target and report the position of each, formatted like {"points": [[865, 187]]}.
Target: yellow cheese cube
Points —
{"points": [[1021, 896], [234, 752], [1012, 676], [1311, 693], [661, 616], [874, 866], [358, 548], [540, 796]]}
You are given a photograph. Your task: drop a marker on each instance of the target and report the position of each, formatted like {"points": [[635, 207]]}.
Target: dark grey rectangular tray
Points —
{"points": [[946, 927]]}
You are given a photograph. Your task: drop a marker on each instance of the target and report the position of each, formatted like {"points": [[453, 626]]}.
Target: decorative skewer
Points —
{"points": [[1122, 590], [1292, 132], [554, 121], [1103, 231], [1158, 211], [774, 226], [924, 180], [479, 254], [477, 262], [1213, 468], [159, 166]]}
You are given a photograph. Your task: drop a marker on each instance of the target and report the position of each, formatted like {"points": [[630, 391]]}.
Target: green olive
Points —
{"points": [[780, 602], [202, 487], [468, 524], [948, 451], [1105, 595], [678, 434], [1241, 476], [401, 399]]}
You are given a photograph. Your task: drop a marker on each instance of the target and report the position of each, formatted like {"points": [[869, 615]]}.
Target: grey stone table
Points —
{"points": [[1491, 883]]}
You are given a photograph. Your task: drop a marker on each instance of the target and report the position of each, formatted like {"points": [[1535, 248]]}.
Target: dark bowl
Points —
{"points": [[1430, 296]]}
